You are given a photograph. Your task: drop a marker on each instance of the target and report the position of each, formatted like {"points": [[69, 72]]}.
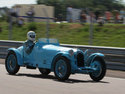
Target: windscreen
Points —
{"points": [[51, 41]]}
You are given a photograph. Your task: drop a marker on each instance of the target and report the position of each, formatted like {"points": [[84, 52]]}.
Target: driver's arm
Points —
{"points": [[28, 47]]}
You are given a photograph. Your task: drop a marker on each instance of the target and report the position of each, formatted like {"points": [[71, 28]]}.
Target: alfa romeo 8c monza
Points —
{"points": [[48, 56]]}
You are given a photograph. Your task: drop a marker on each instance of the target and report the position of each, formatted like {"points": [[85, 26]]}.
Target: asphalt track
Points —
{"points": [[110, 73], [31, 82]]}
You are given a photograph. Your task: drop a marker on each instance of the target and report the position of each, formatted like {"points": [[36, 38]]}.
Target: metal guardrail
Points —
{"points": [[115, 57], [112, 54]]}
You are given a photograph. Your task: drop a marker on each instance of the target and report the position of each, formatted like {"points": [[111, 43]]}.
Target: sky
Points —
{"points": [[9, 3]]}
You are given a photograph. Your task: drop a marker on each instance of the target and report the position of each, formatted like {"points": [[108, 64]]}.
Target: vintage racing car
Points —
{"points": [[48, 56]]}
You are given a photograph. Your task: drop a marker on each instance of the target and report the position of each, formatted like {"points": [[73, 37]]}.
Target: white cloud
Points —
{"points": [[10, 3]]}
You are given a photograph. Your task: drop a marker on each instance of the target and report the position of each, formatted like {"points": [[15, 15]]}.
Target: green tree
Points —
{"points": [[61, 5], [58, 4]]}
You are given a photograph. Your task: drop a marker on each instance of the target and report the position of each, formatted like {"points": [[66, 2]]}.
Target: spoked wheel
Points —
{"points": [[62, 68], [100, 66], [11, 64], [44, 71]]}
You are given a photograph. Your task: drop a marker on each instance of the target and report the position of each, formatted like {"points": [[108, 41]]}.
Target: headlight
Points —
{"points": [[71, 52]]}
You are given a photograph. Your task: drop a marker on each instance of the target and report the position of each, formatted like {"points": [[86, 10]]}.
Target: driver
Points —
{"points": [[30, 42]]}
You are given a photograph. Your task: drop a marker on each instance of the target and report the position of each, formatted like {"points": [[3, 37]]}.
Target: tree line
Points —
{"points": [[102, 5]]}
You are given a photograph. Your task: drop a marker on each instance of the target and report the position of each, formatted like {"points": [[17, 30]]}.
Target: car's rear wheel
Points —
{"points": [[44, 71], [100, 66], [11, 64], [62, 68]]}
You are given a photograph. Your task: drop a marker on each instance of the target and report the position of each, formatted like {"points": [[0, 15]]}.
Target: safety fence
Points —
{"points": [[115, 57]]}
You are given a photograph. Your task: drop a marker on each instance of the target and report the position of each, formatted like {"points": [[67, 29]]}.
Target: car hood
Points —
{"points": [[58, 48]]}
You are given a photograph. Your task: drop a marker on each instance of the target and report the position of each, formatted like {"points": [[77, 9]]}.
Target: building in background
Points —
{"points": [[38, 11]]}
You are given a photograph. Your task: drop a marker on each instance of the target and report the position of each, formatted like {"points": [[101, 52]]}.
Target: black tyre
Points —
{"points": [[62, 68], [44, 71], [100, 65], [11, 64]]}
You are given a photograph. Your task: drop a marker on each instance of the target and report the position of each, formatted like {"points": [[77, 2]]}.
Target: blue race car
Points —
{"points": [[48, 56]]}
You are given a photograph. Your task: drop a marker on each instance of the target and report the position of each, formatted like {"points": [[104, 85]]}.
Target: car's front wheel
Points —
{"points": [[11, 64], [44, 71], [62, 68], [100, 66]]}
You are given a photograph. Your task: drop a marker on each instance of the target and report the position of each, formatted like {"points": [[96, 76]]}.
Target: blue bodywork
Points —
{"points": [[46, 51]]}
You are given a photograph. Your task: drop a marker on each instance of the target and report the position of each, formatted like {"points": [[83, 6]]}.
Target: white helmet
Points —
{"points": [[31, 35]]}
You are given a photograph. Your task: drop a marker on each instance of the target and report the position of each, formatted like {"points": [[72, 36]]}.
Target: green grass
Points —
{"points": [[67, 33]]}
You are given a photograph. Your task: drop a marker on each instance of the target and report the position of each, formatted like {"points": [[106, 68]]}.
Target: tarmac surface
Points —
{"points": [[110, 73], [32, 82]]}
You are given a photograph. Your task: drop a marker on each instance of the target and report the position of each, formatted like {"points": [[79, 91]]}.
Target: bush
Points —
{"points": [[32, 26]]}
